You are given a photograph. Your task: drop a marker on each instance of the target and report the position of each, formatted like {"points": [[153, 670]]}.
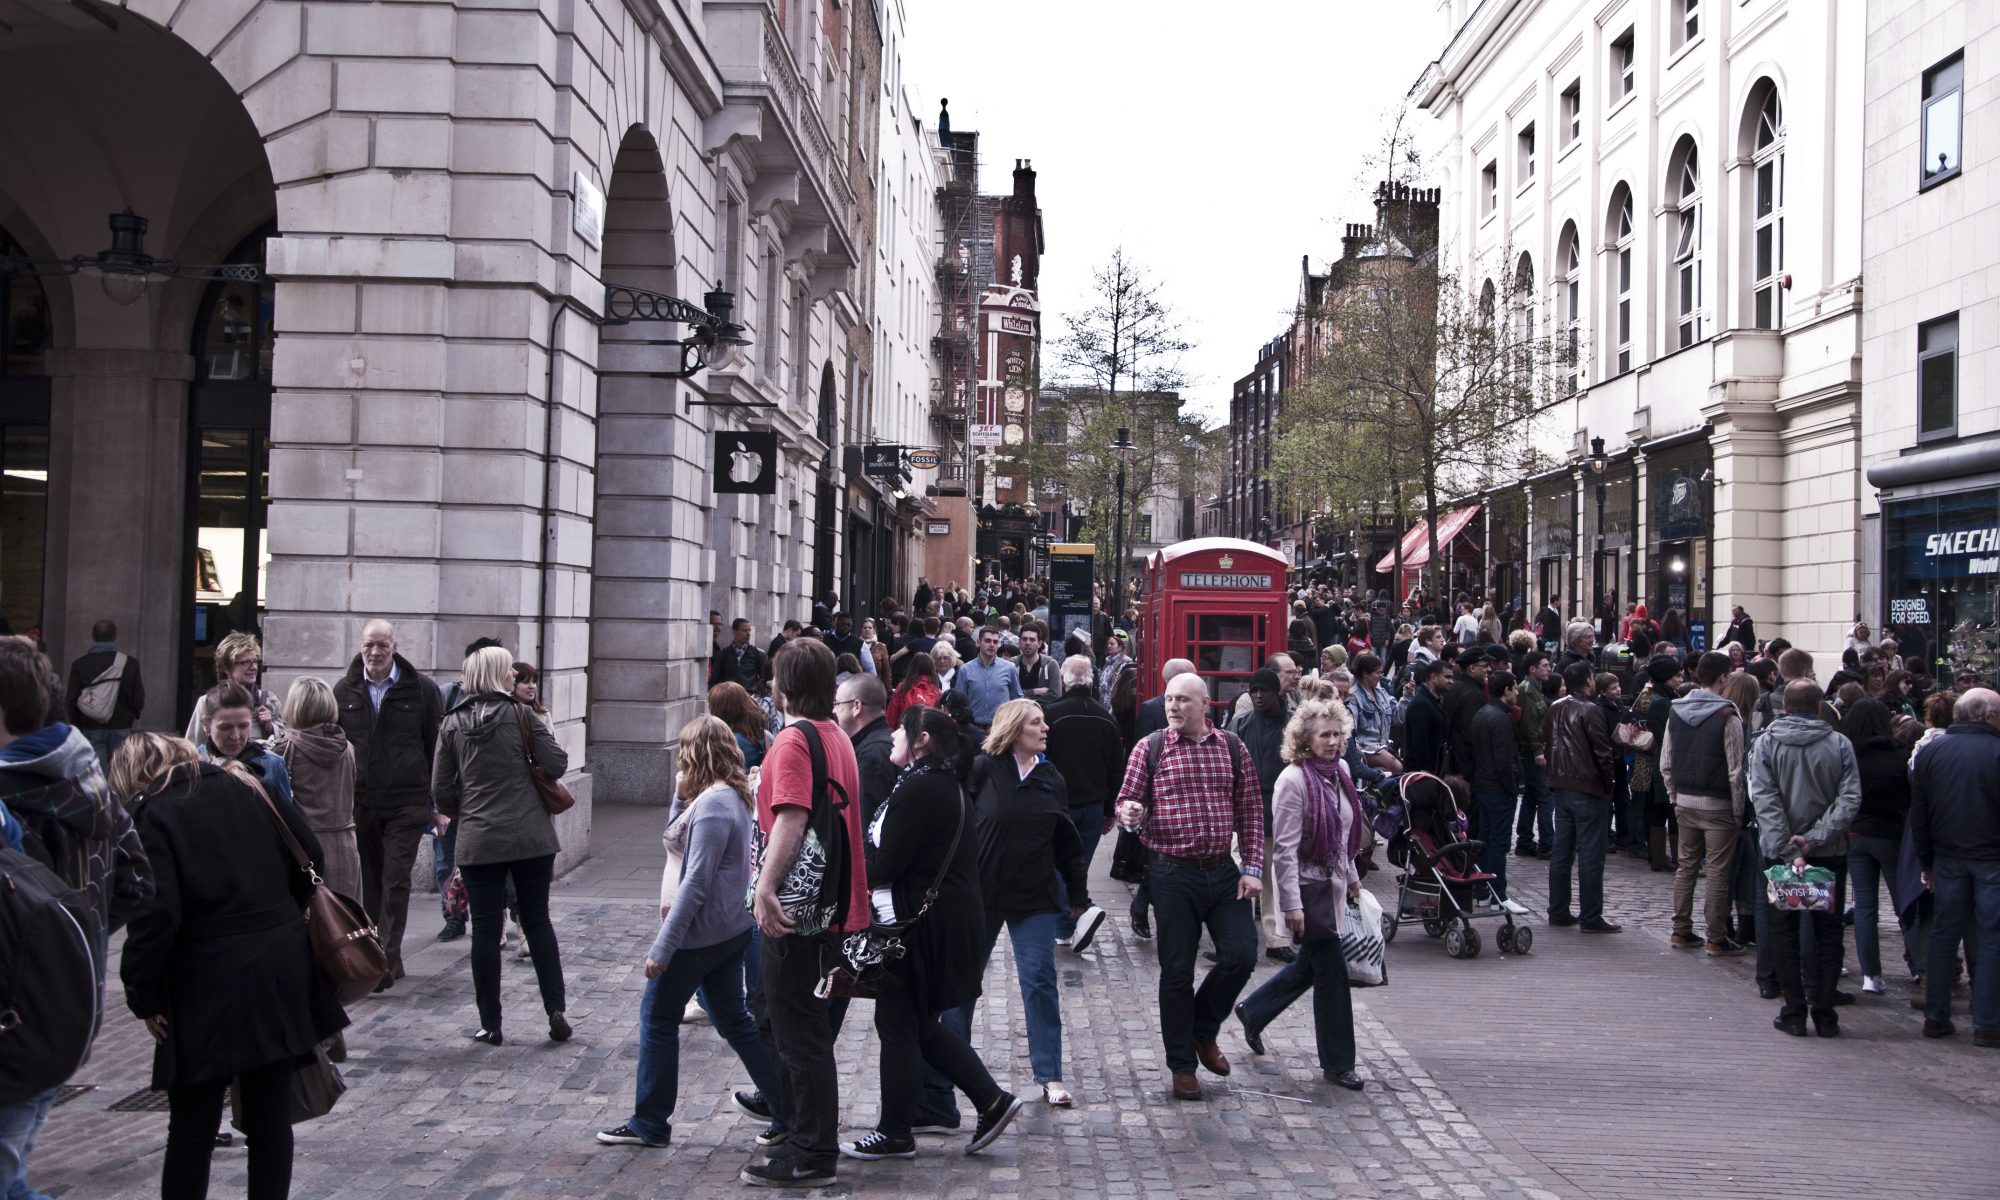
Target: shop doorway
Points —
{"points": [[228, 460], [1549, 579], [24, 447]]}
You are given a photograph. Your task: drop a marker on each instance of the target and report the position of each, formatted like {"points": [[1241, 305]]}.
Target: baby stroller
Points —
{"points": [[1439, 881]]}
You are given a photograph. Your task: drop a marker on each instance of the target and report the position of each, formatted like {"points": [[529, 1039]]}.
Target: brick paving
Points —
{"points": [[1600, 1067]]}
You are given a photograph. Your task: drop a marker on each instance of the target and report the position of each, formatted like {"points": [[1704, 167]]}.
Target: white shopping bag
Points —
{"points": [[1362, 945]]}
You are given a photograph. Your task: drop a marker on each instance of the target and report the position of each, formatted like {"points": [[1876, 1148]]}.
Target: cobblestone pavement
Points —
{"points": [[1594, 1067]]}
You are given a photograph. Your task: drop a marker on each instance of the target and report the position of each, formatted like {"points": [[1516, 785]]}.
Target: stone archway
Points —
{"points": [[105, 116], [648, 634]]}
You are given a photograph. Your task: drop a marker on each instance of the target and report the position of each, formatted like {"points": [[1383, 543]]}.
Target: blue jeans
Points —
{"points": [[1581, 824], [717, 973], [1496, 819], [1321, 969], [1538, 814], [1186, 899], [1089, 822], [20, 1124], [1967, 890], [1871, 861], [1034, 940]]}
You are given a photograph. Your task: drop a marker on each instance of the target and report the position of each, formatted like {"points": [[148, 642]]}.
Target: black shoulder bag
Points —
{"points": [[865, 956]]}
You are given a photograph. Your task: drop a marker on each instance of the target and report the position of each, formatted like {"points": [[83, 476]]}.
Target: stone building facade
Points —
{"points": [[1673, 188], [418, 412], [1931, 360]]}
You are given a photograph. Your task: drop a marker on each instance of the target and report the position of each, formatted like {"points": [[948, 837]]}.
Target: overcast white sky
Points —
{"points": [[1215, 142]]}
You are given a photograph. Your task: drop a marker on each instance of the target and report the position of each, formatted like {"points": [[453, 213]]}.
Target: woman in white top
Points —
{"points": [[1466, 628]]}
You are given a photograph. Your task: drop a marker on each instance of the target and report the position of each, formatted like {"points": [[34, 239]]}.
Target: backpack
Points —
{"points": [[49, 996], [1156, 743], [100, 699]]}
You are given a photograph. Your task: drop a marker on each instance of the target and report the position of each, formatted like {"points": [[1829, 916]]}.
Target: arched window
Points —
{"points": [[1524, 303], [1684, 223], [1487, 303], [1569, 303], [1620, 239], [1767, 209]]}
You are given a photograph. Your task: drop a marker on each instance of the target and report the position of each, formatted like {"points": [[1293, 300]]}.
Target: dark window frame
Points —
{"points": [[1947, 322], [1943, 83]]}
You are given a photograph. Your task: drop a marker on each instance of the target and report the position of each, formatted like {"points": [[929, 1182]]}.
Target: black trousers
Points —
{"points": [[913, 1039], [194, 1116], [1809, 982], [795, 1025], [486, 895], [388, 840]]}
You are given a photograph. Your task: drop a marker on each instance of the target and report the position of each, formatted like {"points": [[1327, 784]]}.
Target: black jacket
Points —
{"points": [[1955, 794], [749, 667], [131, 690], [1462, 703], [1580, 753], [393, 749], [222, 952], [1423, 732], [1265, 737], [946, 957], [1025, 837], [1152, 718], [1549, 624], [1086, 747], [871, 757], [1885, 790], [1496, 768], [1744, 633]]}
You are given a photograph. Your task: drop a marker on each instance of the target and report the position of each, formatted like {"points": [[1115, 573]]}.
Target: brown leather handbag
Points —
{"points": [[555, 797], [344, 941]]}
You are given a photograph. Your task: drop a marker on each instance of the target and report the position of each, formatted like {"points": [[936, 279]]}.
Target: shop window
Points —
{"points": [[24, 517], [1944, 111], [1937, 378], [1940, 574], [1624, 66]]}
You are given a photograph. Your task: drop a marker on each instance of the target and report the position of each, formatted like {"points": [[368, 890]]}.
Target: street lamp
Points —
{"points": [[1123, 447], [1598, 464]]}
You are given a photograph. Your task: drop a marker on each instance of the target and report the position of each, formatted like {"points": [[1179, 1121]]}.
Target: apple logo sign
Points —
{"points": [[745, 464]]}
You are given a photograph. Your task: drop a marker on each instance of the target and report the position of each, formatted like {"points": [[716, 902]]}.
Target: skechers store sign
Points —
{"points": [[1975, 542]]}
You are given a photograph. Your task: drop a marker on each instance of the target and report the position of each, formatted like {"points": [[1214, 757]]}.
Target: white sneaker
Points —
{"points": [[520, 941], [695, 1013], [1087, 926], [1873, 985]]}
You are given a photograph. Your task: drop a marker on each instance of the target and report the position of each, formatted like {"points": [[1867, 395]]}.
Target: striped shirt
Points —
{"points": [[1194, 812]]}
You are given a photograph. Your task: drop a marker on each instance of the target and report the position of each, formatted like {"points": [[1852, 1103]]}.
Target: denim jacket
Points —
{"points": [[1372, 714]]}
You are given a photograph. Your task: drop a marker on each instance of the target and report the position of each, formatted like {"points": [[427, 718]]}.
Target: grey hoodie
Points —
{"points": [[1804, 779], [1696, 707]]}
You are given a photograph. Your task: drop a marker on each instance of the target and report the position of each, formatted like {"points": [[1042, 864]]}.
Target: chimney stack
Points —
{"points": [[1024, 179]]}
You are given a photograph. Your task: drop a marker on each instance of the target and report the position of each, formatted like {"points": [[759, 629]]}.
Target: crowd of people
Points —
{"points": [[866, 805]]}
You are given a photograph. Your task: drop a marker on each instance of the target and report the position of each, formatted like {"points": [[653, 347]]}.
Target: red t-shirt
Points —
{"points": [[785, 780]]}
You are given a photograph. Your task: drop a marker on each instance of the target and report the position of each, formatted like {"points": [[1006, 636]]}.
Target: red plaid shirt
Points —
{"points": [[1193, 813]]}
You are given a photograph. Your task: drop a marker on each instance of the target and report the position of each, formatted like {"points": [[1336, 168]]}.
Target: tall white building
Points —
{"points": [[905, 294], [1930, 199], [1674, 189]]}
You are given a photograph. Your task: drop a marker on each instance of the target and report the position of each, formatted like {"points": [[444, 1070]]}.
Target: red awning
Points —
{"points": [[1417, 542]]}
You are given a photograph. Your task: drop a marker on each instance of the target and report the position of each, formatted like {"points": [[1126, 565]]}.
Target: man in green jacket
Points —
{"points": [[1531, 739]]}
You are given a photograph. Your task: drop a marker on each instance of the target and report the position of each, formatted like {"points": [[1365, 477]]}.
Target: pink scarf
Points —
{"points": [[1328, 788]]}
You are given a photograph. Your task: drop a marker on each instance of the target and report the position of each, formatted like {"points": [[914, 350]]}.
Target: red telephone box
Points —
{"points": [[1219, 603]]}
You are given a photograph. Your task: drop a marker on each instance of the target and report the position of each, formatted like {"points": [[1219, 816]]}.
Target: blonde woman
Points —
{"points": [[238, 660], [480, 779], [1316, 834], [321, 764], [1021, 818], [704, 935], [219, 966]]}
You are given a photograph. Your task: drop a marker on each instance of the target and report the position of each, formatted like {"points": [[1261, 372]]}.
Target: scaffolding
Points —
{"points": [[964, 270]]}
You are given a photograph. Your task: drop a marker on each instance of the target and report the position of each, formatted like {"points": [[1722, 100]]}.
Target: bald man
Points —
{"points": [[390, 712], [1190, 792]]}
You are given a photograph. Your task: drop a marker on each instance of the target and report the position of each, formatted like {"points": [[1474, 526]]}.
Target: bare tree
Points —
{"points": [[1418, 381]]}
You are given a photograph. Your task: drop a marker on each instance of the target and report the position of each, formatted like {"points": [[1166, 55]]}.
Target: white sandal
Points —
{"points": [[1057, 1095]]}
